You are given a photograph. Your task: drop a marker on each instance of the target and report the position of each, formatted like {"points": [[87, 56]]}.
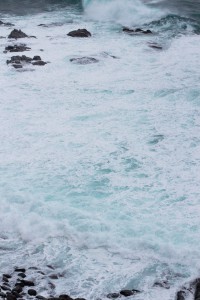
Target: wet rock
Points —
{"points": [[17, 34], [84, 60], [33, 268], [5, 279], [2, 295], [27, 283], [113, 295], [23, 270], [10, 296], [155, 46], [7, 276], [22, 275], [53, 276], [136, 31], [82, 33], [18, 289], [39, 63], [181, 295], [128, 293], [17, 48], [5, 288], [51, 267], [5, 24], [37, 57], [65, 297], [197, 291], [17, 295], [40, 297], [79, 299], [32, 292], [162, 284]]}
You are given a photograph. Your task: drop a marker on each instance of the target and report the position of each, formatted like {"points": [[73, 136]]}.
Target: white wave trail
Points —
{"points": [[126, 12]]}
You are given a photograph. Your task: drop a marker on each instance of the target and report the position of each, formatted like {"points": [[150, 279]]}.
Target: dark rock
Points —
{"points": [[40, 297], [5, 288], [65, 297], [155, 46], [37, 57], [5, 279], [6, 24], [79, 299], [197, 291], [22, 275], [128, 293], [40, 272], [10, 296], [32, 292], [17, 34], [18, 59], [17, 295], [23, 270], [113, 295], [33, 268], [6, 284], [17, 289], [2, 295], [180, 295], [54, 276], [39, 63], [17, 48], [7, 276], [84, 60], [162, 284], [136, 31], [51, 267], [82, 33], [27, 283]]}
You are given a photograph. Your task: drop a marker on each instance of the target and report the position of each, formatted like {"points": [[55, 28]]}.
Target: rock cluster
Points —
{"points": [[17, 48], [19, 61], [5, 24], [84, 60], [136, 31]]}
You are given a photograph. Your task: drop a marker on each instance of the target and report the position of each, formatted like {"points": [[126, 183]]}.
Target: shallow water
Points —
{"points": [[99, 163]]}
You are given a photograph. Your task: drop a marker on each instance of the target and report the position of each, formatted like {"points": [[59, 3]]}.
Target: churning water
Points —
{"points": [[100, 163]]}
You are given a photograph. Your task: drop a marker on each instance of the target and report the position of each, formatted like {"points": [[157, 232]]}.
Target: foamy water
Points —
{"points": [[100, 163]]}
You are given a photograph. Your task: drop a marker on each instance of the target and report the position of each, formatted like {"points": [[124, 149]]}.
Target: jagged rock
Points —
{"points": [[17, 48], [197, 291], [113, 295], [5, 288], [10, 296], [53, 276], [180, 295], [32, 292], [84, 60], [17, 289], [82, 33], [17, 34], [37, 57], [18, 62], [6, 24], [136, 31]]}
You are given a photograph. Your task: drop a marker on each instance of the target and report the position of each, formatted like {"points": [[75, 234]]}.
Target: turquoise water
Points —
{"points": [[99, 163]]}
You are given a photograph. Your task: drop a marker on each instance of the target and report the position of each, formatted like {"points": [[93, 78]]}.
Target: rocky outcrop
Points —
{"points": [[81, 33], [136, 31], [5, 24], [17, 48], [18, 62], [18, 34]]}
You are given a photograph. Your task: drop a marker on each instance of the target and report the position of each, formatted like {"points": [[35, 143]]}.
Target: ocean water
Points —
{"points": [[100, 163]]}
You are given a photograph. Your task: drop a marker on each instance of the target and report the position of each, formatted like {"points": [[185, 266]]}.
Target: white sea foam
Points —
{"points": [[100, 163]]}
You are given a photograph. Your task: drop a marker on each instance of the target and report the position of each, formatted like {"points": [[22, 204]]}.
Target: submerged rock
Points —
{"points": [[84, 60], [155, 46], [162, 284], [113, 295], [136, 31], [128, 293], [79, 33], [5, 24]]}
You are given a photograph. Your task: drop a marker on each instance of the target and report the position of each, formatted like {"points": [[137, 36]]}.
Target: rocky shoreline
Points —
{"points": [[25, 283], [18, 62]]}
